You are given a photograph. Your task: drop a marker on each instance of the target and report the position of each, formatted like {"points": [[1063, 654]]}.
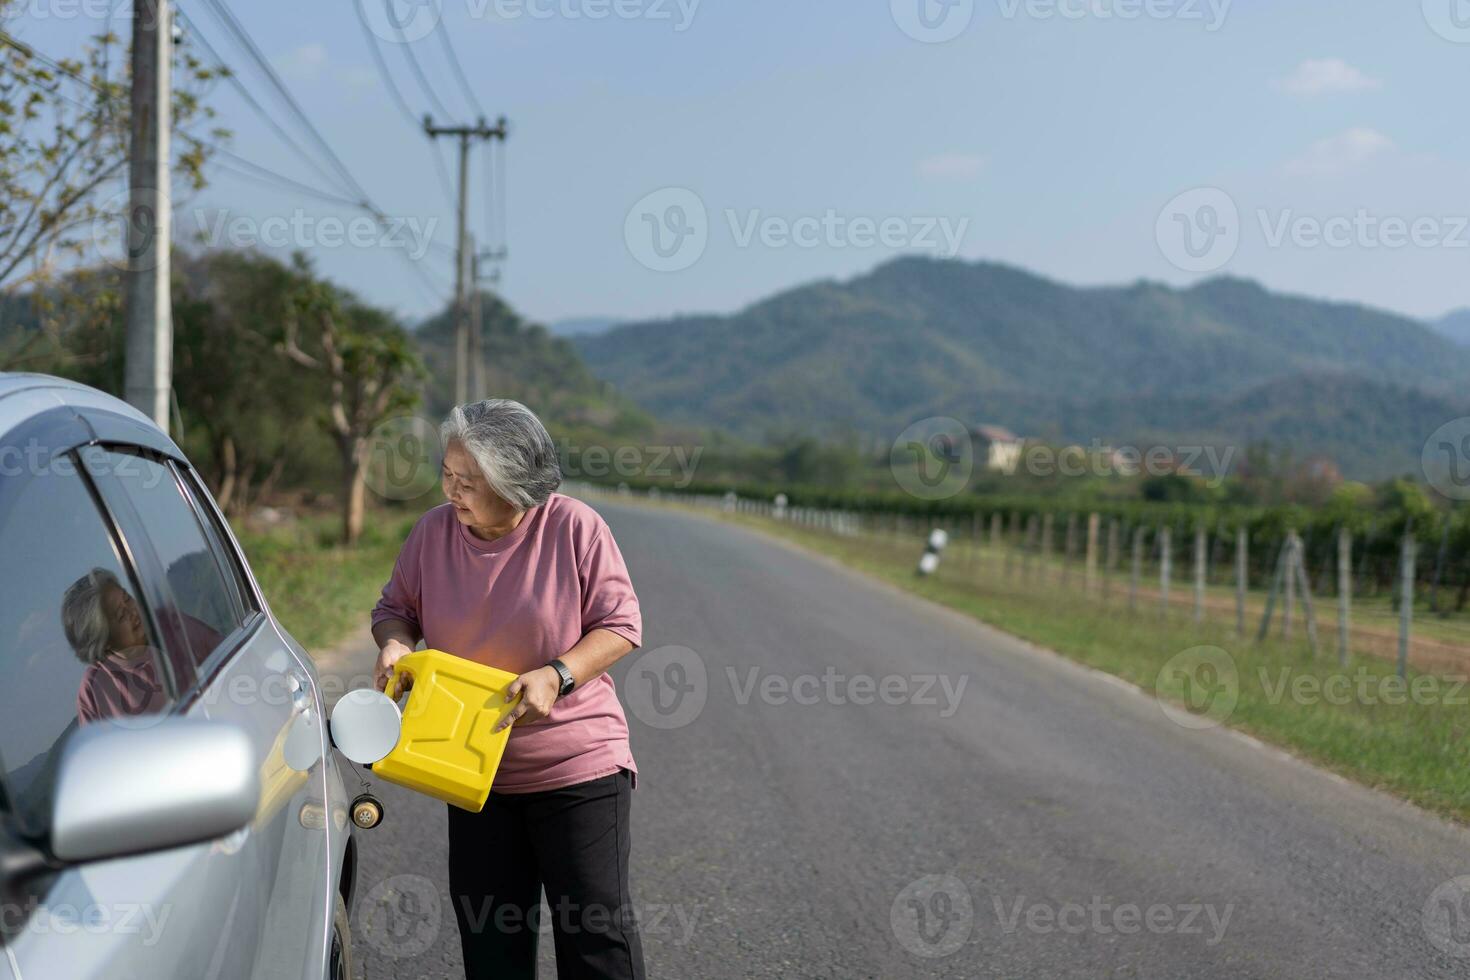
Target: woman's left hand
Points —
{"points": [[538, 690]]}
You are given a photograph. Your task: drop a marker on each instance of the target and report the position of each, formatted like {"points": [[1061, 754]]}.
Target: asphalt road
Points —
{"points": [[838, 780]]}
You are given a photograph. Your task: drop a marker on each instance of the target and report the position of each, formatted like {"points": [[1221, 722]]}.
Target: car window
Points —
{"points": [[206, 603], [76, 644], [219, 540]]}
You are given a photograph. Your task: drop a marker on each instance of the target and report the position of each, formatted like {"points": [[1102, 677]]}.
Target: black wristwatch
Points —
{"points": [[567, 680]]}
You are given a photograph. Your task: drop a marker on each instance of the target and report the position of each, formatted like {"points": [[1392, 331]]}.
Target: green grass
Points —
{"points": [[318, 589], [1418, 749]]}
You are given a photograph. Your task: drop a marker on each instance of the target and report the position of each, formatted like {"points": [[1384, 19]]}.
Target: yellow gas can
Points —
{"points": [[448, 747]]}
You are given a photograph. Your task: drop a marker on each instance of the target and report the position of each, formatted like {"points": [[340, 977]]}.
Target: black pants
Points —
{"points": [[574, 841]]}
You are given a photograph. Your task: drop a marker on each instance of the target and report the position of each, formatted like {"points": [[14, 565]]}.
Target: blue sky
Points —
{"points": [[1055, 136]]}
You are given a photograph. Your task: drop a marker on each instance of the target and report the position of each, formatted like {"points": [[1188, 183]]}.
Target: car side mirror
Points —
{"points": [[124, 789]]}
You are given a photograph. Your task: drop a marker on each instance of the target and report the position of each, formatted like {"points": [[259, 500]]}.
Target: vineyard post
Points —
{"points": [[1242, 568], [1093, 520], [1406, 600], [1165, 567], [1112, 564], [1344, 591], [1200, 543], [1137, 567]]}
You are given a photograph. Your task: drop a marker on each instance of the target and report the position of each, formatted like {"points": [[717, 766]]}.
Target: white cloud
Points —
{"points": [[1338, 154], [304, 63], [952, 166], [1327, 76]]}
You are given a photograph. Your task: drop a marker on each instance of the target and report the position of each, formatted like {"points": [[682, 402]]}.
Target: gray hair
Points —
{"points": [[513, 448], [83, 616]]}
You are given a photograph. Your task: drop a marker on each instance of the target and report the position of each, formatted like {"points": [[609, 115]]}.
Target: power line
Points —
{"points": [[242, 37], [403, 107], [413, 62], [264, 174], [223, 13], [250, 100], [464, 83]]}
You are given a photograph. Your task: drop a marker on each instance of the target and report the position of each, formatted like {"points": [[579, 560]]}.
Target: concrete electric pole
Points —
{"points": [[462, 250], [149, 365]]}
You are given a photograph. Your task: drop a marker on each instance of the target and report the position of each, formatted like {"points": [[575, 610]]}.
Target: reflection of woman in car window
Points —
{"points": [[104, 625]]}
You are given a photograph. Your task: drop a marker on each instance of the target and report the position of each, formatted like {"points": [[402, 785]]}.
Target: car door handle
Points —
{"points": [[300, 689]]}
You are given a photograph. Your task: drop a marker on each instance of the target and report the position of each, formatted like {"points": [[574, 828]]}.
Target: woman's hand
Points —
{"points": [[392, 652], [538, 690]]}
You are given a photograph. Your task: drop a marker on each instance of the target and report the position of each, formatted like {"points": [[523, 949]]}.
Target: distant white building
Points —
{"points": [[998, 448]]}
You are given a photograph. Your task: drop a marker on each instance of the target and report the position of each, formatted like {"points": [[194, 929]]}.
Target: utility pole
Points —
{"points": [[477, 315], [465, 134], [148, 368]]}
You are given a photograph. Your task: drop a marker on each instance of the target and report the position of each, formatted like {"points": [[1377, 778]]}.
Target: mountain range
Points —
{"points": [[1455, 326], [1224, 362]]}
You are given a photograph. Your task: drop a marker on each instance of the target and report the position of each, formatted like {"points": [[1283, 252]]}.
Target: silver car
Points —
{"points": [[169, 801]]}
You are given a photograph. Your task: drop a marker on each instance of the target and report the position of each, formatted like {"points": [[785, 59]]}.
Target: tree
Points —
{"points": [[247, 419], [367, 365], [64, 130]]}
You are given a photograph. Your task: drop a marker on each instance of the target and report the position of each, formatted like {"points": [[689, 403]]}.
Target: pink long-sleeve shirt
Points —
{"points": [[518, 603]]}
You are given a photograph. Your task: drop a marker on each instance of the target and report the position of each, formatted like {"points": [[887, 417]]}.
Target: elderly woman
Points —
{"points": [[104, 625], [511, 574]]}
